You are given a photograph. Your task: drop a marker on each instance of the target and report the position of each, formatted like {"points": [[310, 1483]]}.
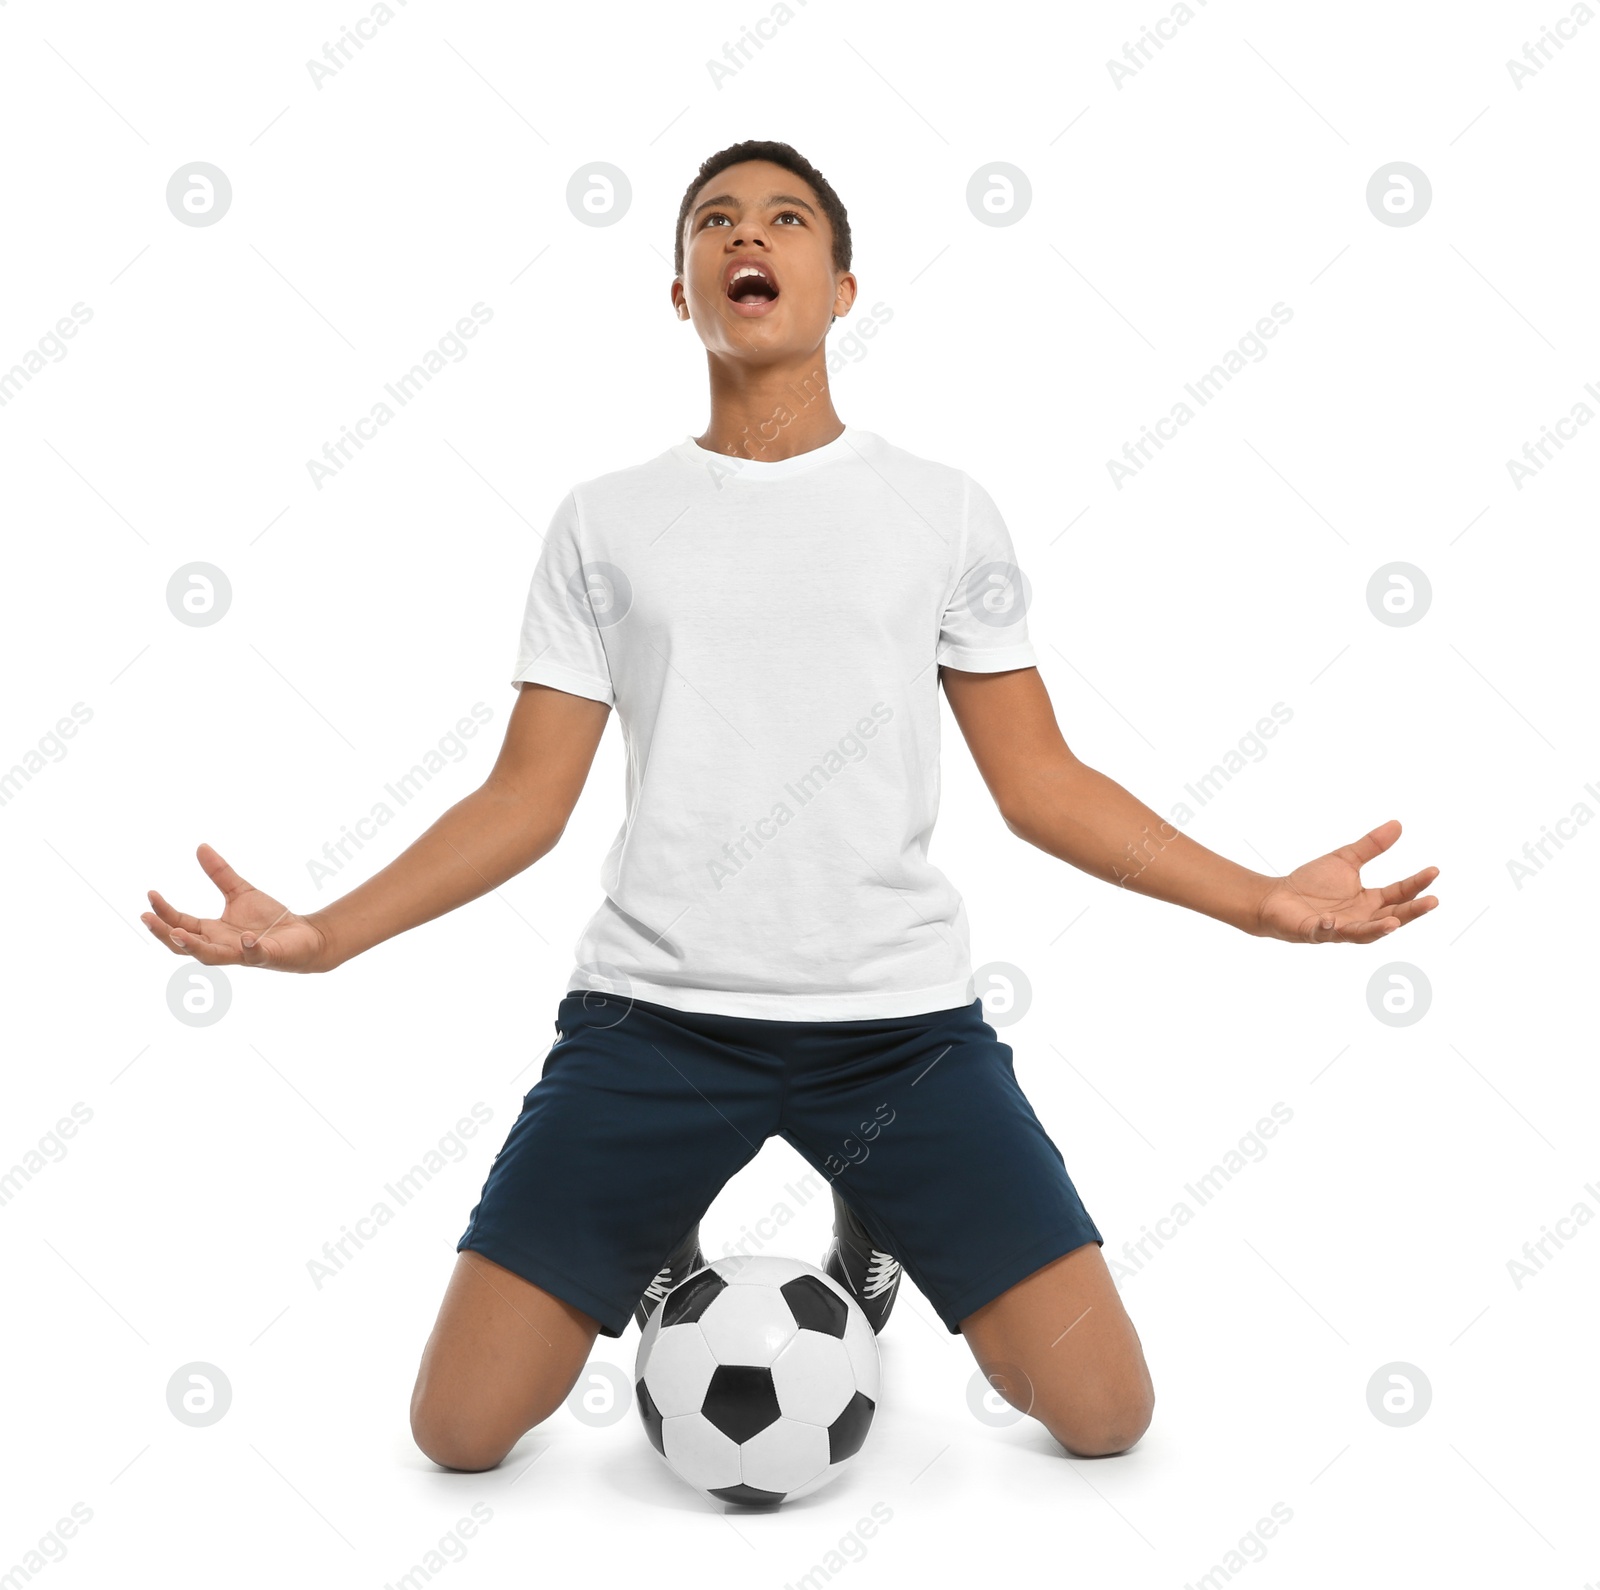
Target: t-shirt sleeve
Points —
{"points": [[561, 643], [985, 625]]}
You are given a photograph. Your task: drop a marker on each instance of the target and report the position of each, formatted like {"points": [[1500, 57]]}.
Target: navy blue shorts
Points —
{"points": [[642, 1113]]}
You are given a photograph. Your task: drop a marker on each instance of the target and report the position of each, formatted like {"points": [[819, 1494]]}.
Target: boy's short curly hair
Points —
{"points": [[780, 154]]}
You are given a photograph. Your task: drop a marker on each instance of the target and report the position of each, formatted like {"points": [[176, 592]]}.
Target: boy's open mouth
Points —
{"points": [[751, 285]]}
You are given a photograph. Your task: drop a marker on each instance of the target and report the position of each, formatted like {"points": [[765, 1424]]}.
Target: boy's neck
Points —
{"points": [[771, 414]]}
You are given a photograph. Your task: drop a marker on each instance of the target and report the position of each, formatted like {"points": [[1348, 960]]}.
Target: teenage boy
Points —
{"points": [[771, 608]]}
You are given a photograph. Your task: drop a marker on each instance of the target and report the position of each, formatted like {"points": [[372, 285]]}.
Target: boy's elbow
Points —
{"points": [[537, 822], [1010, 817], [1034, 801], [547, 838]]}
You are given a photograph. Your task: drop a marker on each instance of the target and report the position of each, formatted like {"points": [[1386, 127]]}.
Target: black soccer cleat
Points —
{"points": [[681, 1263], [869, 1274]]}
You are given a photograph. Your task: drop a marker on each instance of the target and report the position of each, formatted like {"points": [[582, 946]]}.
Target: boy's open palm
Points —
{"points": [[1324, 902], [253, 930]]}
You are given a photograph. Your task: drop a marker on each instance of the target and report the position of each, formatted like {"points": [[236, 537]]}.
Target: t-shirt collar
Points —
{"points": [[732, 468]]}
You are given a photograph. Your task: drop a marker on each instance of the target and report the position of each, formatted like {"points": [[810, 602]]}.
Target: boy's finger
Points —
{"points": [[170, 913], [1410, 910], [1408, 887], [220, 873], [1368, 932], [159, 931], [263, 951], [205, 951], [1372, 843]]}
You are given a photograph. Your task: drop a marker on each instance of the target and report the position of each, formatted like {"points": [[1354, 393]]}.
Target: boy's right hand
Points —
{"points": [[253, 930]]}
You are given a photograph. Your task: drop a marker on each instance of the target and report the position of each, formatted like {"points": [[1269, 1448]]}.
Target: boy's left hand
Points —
{"points": [[1324, 902]]}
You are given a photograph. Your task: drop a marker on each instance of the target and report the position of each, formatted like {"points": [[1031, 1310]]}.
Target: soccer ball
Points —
{"points": [[757, 1378]]}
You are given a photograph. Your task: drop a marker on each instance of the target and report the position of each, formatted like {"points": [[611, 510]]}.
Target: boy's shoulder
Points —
{"points": [[647, 474], [936, 472]]}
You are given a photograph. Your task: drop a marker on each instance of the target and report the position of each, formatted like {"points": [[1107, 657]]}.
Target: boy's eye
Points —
{"points": [[718, 215]]}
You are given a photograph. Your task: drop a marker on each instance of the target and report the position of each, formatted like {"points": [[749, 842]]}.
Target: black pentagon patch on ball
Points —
{"points": [[688, 1300], [748, 1494], [651, 1415], [741, 1400], [815, 1306], [849, 1430]]}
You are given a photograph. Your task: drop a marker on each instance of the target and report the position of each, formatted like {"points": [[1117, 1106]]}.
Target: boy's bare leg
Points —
{"points": [[502, 1357], [1059, 1345]]}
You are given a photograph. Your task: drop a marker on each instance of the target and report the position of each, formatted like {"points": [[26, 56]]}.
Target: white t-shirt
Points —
{"points": [[769, 633]]}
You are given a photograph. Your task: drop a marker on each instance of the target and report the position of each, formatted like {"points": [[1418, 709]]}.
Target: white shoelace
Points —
{"points": [[662, 1284], [881, 1274]]}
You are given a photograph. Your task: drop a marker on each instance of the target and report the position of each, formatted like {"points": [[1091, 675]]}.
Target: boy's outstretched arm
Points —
{"points": [[1051, 799], [505, 825]]}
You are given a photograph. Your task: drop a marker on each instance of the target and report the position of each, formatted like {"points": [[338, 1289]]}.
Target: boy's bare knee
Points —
{"points": [[456, 1443], [459, 1441], [1103, 1429], [464, 1450]]}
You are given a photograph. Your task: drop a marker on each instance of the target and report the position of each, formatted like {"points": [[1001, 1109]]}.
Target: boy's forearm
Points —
{"points": [[1078, 815], [474, 847]]}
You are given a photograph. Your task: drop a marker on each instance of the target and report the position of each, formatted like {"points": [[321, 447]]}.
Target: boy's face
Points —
{"points": [[760, 215]]}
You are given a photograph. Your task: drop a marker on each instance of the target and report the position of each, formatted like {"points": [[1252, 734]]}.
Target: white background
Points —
{"points": [[1168, 215]]}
